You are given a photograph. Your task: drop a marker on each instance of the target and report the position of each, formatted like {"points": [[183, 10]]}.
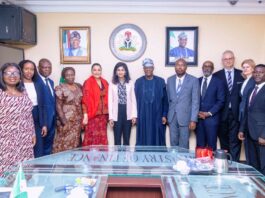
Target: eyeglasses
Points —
{"points": [[228, 59], [10, 74]]}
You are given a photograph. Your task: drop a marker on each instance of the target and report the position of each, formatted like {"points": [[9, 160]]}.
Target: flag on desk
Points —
{"points": [[20, 186]]}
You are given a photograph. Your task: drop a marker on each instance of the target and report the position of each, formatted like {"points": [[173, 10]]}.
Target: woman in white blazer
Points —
{"points": [[122, 104]]}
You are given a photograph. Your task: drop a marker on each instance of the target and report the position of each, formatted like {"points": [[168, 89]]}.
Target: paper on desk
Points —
{"points": [[33, 192]]}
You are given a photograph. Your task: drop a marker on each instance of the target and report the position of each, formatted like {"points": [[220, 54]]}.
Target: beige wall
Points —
{"points": [[244, 34]]}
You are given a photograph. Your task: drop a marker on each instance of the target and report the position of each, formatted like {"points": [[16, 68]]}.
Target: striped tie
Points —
{"points": [[229, 81], [179, 87]]}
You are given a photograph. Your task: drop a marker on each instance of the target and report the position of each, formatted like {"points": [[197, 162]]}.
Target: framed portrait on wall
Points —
{"points": [[127, 42], [182, 42], [75, 45]]}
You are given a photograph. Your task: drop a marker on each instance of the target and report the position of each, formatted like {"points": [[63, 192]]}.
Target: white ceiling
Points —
{"points": [[145, 6]]}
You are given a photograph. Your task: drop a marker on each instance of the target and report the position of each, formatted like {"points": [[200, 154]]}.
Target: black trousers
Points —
{"points": [[122, 127], [227, 134], [256, 154]]}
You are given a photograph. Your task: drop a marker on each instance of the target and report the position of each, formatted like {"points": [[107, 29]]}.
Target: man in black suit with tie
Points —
{"points": [[211, 102], [229, 125], [254, 121]]}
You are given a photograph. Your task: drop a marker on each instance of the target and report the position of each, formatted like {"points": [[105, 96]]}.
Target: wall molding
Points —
{"points": [[145, 6]]}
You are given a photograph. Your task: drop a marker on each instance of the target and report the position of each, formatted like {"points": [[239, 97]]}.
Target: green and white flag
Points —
{"points": [[20, 186], [62, 80]]}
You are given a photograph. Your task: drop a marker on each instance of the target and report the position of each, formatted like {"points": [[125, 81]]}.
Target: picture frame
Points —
{"points": [[75, 45], [127, 42], [182, 42]]}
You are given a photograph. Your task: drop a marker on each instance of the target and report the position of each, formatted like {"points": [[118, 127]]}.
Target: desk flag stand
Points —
{"points": [[20, 185]]}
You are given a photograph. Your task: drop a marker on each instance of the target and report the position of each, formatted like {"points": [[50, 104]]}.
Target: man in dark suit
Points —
{"points": [[45, 70], [211, 102], [184, 100], [254, 121], [229, 126]]}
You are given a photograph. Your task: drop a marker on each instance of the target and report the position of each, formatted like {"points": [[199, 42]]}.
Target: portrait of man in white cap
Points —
{"points": [[75, 48], [182, 51]]}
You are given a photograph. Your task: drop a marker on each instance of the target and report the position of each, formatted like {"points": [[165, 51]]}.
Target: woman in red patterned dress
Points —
{"points": [[95, 108], [17, 133]]}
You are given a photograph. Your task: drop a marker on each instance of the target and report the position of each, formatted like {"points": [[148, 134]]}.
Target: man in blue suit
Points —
{"points": [[184, 100], [45, 70], [229, 126], [254, 121], [211, 102]]}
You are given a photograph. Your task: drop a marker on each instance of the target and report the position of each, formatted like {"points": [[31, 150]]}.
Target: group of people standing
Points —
{"points": [[232, 108], [214, 105], [27, 119]]}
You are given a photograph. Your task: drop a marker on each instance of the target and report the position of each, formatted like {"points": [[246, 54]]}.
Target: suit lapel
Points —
{"points": [[200, 81], [174, 85], [235, 80], [224, 79], [36, 85], [48, 91], [127, 85], [249, 84], [260, 93], [246, 88], [51, 91]]}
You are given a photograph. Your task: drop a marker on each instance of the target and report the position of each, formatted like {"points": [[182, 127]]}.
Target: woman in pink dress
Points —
{"points": [[17, 135]]}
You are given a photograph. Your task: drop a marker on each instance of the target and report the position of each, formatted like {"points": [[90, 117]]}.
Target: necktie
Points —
{"points": [[48, 87], [179, 87], [253, 95], [204, 87], [229, 81]]}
